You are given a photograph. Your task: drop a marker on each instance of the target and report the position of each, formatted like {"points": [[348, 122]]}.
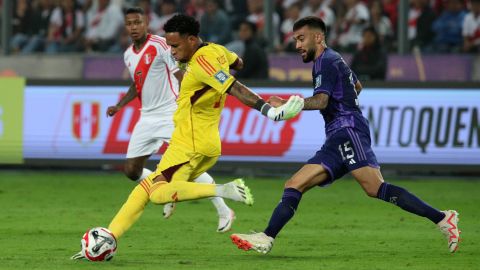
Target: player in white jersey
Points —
{"points": [[156, 75]]}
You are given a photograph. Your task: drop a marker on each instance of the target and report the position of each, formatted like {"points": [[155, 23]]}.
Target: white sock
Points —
{"points": [[219, 203], [145, 172]]}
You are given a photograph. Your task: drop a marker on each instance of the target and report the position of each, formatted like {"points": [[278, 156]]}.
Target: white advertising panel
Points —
{"points": [[408, 126]]}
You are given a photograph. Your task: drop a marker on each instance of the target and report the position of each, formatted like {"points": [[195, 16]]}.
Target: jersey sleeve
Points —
{"points": [[167, 57], [325, 79], [231, 56], [209, 71]]}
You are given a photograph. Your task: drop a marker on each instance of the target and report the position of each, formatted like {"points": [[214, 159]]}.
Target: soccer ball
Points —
{"points": [[99, 244]]}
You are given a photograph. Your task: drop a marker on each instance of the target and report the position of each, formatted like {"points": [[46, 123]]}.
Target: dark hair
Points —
{"points": [[182, 24], [133, 10], [311, 22], [252, 26]]}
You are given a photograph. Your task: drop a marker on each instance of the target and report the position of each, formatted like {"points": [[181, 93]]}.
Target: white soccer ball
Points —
{"points": [[99, 244]]}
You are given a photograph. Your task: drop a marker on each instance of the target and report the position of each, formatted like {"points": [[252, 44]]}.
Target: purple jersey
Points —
{"points": [[333, 77]]}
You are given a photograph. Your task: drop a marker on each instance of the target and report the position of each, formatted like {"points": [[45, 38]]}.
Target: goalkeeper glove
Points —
{"points": [[290, 109]]}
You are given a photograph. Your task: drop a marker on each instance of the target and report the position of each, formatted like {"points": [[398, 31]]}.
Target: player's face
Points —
{"points": [[136, 26], [182, 46], [305, 43]]}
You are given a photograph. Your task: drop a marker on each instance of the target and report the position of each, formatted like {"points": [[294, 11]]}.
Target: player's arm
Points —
{"points": [[131, 94], [237, 65], [288, 110], [316, 102]]}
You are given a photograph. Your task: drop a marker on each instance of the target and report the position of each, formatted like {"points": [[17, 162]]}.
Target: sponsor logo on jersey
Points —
{"points": [[85, 124], [221, 76], [318, 81], [246, 132]]}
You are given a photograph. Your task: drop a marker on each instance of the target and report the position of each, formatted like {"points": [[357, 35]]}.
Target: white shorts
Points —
{"points": [[149, 134]]}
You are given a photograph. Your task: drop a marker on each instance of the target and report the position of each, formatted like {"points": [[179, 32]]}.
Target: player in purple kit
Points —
{"points": [[347, 147]]}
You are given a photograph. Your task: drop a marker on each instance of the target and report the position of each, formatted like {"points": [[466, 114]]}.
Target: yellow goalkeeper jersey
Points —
{"points": [[201, 100]]}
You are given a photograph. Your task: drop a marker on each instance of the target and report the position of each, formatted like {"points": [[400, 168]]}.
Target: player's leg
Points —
{"points": [[366, 171], [226, 215], [177, 168], [135, 170], [308, 176], [372, 183]]}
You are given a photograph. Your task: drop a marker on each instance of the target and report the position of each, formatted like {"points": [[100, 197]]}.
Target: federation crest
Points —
{"points": [[147, 58], [318, 81], [85, 121]]}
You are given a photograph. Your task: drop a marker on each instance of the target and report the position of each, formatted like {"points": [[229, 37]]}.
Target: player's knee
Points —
{"points": [[159, 193], [132, 172]]}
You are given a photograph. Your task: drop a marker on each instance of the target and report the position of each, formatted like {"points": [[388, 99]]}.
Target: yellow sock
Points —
{"points": [[163, 192], [131, 210]]}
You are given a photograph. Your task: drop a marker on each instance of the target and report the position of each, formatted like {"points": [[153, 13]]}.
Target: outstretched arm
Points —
{"points": [[286, 111], [316, 102], [131, 94]]}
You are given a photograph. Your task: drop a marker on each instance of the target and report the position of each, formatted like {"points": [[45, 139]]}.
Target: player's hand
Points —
{"points": [[276, 101], [290, 109], [112, 110]]}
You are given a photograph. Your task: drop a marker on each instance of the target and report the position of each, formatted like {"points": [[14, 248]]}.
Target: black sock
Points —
{"points": [[408, 202], [284, 211]]}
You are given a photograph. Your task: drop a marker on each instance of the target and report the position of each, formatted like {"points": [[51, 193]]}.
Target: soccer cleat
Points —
{"points": [[260, 242], [168, 209], [77, 256], [225, 222], [449, 227], [238, 191]]}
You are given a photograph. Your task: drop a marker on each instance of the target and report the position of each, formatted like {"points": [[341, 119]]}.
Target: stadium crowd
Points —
{"points": [[360, 27]]}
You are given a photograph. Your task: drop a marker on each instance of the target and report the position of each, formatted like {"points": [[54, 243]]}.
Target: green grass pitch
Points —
{"points": [[44, 214]]}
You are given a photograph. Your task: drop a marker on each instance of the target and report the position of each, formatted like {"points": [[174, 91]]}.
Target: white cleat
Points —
{"points": [[168, 209], [77, 256], [260, 242], [225, 222], [238, 191], [449, 227]]}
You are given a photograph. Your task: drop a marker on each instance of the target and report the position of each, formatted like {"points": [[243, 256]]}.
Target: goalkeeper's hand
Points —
{"points": [[290, 109]]}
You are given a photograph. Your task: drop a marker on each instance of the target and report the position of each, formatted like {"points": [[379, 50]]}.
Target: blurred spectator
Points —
{"points": [[380, 22], [255, 60], [20, 24], [214, 24], [370, 62], [292, 14], [37, 29], [320, 9], [351, 28], [153, 19], [195, 8], [471, 29], [448, 28], [420, 20], [103, 25], [257, 16], [168, 8], [237, 12], [390, 7], [66, 26]]}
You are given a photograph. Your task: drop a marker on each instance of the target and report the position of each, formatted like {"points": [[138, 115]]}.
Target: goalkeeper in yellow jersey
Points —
{"points": [[195, 145]]}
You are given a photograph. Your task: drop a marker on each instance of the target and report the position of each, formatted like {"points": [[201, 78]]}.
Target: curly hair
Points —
{"points": [[182, 24]]}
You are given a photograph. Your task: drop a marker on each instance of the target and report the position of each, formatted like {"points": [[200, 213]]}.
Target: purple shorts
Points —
{"points": [[346, 150]]}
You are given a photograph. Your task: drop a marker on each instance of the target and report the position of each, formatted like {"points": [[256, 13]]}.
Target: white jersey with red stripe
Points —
{"points": [[152, 68]]}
